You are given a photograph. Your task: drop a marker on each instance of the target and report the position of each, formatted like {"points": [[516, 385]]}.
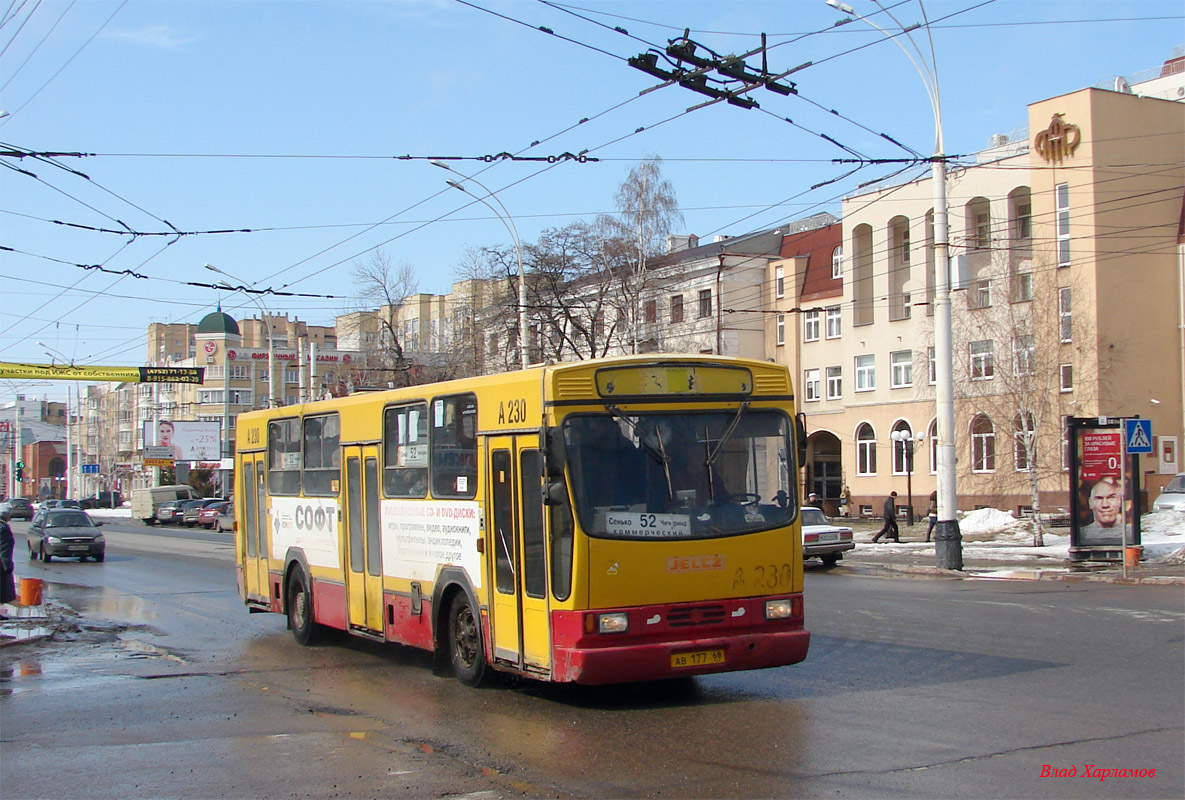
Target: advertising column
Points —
{"points": [[1101, 490]]}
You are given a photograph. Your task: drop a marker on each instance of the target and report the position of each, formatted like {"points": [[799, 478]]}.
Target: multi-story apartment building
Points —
{"points": [[1067, 302]]}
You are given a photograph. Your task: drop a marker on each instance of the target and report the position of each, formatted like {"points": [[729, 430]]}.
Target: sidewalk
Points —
{"points": [[1008, 554]]}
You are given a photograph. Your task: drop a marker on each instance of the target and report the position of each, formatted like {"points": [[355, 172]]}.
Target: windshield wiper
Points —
{"points": [[728, 432], [659, 453]]}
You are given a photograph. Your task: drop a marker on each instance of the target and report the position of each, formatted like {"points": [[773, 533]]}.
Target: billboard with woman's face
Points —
{"points": [[190, 440]]}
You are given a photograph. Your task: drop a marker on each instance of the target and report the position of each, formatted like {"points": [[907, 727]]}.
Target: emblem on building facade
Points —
{"points": [[1058, 141]]}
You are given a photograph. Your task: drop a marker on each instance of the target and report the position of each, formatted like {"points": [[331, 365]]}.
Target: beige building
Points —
{"points": [[1067, 302]]}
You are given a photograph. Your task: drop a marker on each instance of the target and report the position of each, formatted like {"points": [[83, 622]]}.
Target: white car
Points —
{"points": [[822, 539], [1172, 496]]}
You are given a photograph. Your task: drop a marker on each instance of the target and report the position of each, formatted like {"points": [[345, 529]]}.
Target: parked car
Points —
{"points": [[208, 516], [63, 504], [20, 507], [103, 500], [191, 509], [821, 539], [169, 512], [1172, 496], [66, 533], [146, 502], [226, 519]]}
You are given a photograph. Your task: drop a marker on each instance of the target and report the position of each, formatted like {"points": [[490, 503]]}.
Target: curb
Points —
{"points": [[1034, 575]]}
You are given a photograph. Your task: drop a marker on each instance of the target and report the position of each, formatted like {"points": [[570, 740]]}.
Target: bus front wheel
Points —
{"points": [[464, 641], [300, 609]]}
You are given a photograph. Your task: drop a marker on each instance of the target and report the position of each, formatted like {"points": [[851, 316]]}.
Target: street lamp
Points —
{"points": [[948, 541], [905, 440], [267, 327], [508, 221]]}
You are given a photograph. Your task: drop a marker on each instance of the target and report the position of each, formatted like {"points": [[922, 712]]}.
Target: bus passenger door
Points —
{"points": [[253, 527], [363, 556], [518, 613]]}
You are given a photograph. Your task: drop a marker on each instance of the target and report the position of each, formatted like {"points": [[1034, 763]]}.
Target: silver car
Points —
{"points": [[1172, 496], [821, 539]]}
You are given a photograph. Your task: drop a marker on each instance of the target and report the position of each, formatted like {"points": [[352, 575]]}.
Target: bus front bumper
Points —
{"points": [[581, 656]]}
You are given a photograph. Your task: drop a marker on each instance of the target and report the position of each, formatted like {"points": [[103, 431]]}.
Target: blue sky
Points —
{"points": [[287, 119]]}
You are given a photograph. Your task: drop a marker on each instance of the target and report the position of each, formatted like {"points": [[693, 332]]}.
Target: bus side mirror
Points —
{"points": [[554, 453], [800, 424], [555, 493]]}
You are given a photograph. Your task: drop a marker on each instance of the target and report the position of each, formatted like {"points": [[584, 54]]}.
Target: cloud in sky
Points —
{"points": [[162, 36]]}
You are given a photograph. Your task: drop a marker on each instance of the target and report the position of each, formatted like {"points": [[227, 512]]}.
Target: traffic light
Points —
{"points": [[20, 472]]}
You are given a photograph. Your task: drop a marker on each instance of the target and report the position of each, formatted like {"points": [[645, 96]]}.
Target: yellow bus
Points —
{"points": [[603, 521]]}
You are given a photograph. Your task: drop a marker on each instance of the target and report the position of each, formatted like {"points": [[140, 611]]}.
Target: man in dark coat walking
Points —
{"points": [[7, 546], [889, 531]]}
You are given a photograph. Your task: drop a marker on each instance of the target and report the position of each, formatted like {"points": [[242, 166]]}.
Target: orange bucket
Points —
{"points": [[1131, 556], [31, 591]]}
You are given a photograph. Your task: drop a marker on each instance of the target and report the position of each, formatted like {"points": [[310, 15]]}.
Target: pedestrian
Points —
{"points": [[845, 502], [889, 531], [932, 513], [7, 546], [813, 500]]}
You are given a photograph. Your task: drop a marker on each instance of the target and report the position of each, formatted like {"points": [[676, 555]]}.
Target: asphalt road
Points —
{"points": [[915, 687]]}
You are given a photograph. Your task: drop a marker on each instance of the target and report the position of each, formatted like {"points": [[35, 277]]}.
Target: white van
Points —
{"points": [[145, 502]]}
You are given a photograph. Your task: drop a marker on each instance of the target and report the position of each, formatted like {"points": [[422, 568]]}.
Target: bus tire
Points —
{"points": [[464, 641], [300, 609]]}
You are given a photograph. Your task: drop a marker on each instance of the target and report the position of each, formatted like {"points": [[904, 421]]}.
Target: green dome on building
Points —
{"points": [[218, 322]]}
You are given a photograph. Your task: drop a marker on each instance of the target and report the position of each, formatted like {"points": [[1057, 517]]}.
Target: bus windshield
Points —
{"points": [[680, 475]]}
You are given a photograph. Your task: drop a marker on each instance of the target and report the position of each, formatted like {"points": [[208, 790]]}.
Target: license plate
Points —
{"points": [[80, 547], [697, 658], [828, 537]]}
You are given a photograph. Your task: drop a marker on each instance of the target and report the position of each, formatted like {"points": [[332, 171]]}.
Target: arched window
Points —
{"points": [[865, 450], [1023, 432], [902, 448], [837, 262], [983, 444], [933, 447]]}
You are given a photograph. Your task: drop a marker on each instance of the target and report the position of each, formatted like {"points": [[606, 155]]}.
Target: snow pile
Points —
{"points": [[987, 520], [1163, 535]]}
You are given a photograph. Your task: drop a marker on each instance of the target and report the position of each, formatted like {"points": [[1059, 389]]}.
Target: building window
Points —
{"points": [[979, 294], [901, 369], [705, 303], [780, 324], [677, 308], [240, 372], [651, 311], [865, 450], [983, 444], [291, 376], [810, 326], [931, 366], [1067, 377], [834, 383], [1063, 224], [1024, 354], [983, 363], [779, 282], [834, 322], [1065, 318], [1022, 287], [933, 445], [983, 230], [837, 262], [810, 385], [903, 450], [1023, 433], [1023, 223], [865, 373]]}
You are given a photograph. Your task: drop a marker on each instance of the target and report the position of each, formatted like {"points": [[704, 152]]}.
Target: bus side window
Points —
{"points": [[283, 456], [405, 451], [322, 454], [454, 446]]}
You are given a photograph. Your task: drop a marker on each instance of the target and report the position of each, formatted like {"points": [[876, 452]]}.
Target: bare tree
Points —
{"points": [[1013, 345], [647, 211], [382, 284]]}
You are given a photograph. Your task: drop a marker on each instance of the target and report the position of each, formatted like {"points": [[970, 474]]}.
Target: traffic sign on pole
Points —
{"points": [[1138, 435]]}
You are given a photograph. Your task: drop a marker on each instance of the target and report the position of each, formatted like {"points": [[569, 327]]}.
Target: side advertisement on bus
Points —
{"points": [[308, 524], [419, 536]]}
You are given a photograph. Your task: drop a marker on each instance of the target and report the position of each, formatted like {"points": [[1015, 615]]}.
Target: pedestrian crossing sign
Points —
{"points": [[1138, 434]]}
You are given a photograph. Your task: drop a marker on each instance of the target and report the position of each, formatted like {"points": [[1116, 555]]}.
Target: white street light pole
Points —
{"points": [[508, 221], [948, 541]]}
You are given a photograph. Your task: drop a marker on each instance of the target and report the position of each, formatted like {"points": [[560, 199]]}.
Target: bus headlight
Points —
{"points": [[778, 609], [616, 622]]}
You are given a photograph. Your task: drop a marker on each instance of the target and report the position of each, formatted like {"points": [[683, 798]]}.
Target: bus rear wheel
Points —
{"points": [[464, 642], [300, 609]]}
